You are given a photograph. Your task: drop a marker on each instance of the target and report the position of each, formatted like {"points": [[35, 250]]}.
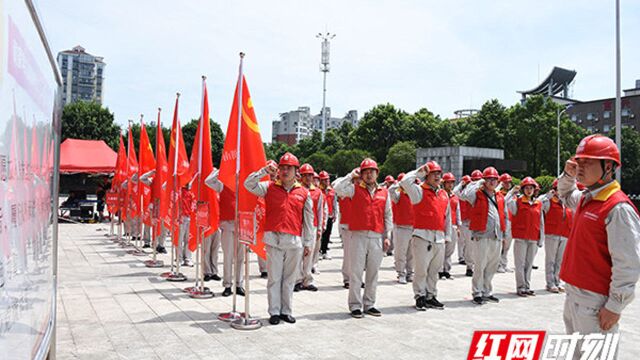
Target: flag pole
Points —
{"points": [[127, 224], [137, 251], [245, 322], [155, 216], [176, 275], [234, 315], [200, 291]]}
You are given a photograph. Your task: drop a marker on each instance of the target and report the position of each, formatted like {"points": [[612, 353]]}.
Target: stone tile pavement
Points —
{"points": [[110, 306]]}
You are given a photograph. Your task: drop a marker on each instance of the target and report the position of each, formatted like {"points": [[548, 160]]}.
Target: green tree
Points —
{"points": [[379, 129], [275, 150], [217, 138], [488, 128], [424, 128], [332, 142], [320, 161], [308, 146], [89, 121], [401, 158], [344, 161], [630, 160], [344, 133], [545, 182]]}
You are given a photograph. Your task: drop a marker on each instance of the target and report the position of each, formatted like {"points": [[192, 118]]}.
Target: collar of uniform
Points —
{"points": [[295, 184], [528, 200], [426, 186], [312, 187], [604, 192], [364, 186]]}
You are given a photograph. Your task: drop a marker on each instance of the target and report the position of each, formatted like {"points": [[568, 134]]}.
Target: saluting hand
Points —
{"points": [[571, 168], [271, 168], [355, 172]]}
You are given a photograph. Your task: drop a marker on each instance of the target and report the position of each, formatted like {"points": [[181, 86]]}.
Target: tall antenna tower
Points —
{"points": [[324, 68]]}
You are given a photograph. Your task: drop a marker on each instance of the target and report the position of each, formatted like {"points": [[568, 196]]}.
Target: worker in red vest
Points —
{"points": [[370, 225], [487, 224], [402, 231], [345, 234], [305, 280], [528, 232], [506, 184], [288, 231], [322, 226], [464, 241], [332, 210], [431, 229], [558, 219], [227, 218], [448, 182], [601, 263], [187, 207]]}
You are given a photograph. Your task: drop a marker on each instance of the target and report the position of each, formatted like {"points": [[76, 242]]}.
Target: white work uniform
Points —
{"points": [[464, 240], [623, 239], [428, 246], [485, 245], [345, 235], [524, 250], [450, 245], [365, 251], [306, 277], [506, 244], [284, 251], [402, 255], [554, 246], [184, 253], [211, 248]]}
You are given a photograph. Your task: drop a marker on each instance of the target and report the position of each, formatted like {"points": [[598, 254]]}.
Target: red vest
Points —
{"points": [[345, 210], [431, 212], [478, 213], [587, 261], [329, 196], [370, 209], [315, 196], [403, 210], [558, 219], [284, 210], [465, 209], [187, 202], [454, 202], [526, 222], [227, 205]]}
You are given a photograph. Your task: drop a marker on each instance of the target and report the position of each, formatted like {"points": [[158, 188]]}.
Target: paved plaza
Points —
{"points": [[110, 306]]}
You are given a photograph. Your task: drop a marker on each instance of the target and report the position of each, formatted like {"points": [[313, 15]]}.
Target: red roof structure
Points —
{"points": [[86, 156]]}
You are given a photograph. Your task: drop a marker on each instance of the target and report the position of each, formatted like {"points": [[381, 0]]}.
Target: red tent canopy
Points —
{"points": [[86, 156]]}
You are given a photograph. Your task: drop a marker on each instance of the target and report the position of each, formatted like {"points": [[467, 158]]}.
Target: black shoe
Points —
{"points": [[345, 285], [226, 292], [313, 270], [389, 253], [447, 276], [161, 250], [441, 275], [420, 303], [469, 272], [491, 298], [146, 246], [239, 291], [362, 285], [311, 288], [373, 312], [357, 314], [274, 320], [462, 262], [433, 303], [263, 275], [288, 318], [534, 267], [478, 300], [297, 287], [216, 277], [207, 277], [531, 293]]}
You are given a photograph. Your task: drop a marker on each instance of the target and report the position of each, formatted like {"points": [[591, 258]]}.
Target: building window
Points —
{"points": [[606, 114], [625, 112], [590, 128], [574, 117], [606, 128], [589, 116]]}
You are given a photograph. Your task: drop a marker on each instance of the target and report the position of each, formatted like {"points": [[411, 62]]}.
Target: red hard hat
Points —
{"points": [[306, 169], [400, 176], [323, 175], [598, 146], [528, 181], [389, 179], [368, 164], [433, 166], [490, 173], [448, 177], [271, 162], [476, 175], [555, 184], [505, 178], [466, 179], [289, 159], [315, 175]]}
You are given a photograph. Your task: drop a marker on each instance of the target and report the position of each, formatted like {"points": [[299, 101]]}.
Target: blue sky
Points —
{"points": [[442, 55]]}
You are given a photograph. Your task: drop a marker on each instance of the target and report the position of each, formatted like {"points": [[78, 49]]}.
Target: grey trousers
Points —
{"points": [[305, 276], [365, 255], [183, 249], [283, 267], [524, 251], [428, 263], [403, 255], [211, 248], [465, 233], [486, 255], [504, 258], [228, 239], [345, 234], [449, 249], [584, 320], [262, 264], [553, 251]]}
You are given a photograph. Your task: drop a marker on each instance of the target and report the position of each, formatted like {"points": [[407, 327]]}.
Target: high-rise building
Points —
{"points": [[295, 125], [82, 75]]}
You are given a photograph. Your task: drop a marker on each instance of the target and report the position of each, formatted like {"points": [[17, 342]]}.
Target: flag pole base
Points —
{"points": [[230, 316], [154, 263], [201, 293], [176, 277], [137, 252], [246, 324]]}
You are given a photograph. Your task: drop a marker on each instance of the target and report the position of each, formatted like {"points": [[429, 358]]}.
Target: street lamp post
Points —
{"points": [[560, 112], [618, 95]]}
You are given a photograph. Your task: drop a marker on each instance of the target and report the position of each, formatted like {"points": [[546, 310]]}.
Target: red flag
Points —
{"points": [[160, 177], [252, 158], [178, 170], [147, 164], [119, 177], [200, 166], [132, 170]]}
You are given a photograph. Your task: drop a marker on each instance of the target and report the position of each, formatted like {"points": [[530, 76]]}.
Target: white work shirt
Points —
{"points": [[492, 230]]}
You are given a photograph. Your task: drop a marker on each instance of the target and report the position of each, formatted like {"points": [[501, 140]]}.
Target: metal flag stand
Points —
{"points": [[154, 262], [246, 322]]}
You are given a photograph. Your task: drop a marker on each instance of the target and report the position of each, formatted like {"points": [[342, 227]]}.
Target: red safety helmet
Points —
{"points": [[505, 178], [448, 177], [306, 169], [271, 162], [528, 181], [389, 179], [289, 159], [324, 175], [316, 176], [466, 179], [400, 176], [580, 186], [555, 184], [490, 173], [476, 175], [598, 146], [368, 164], [433, 166]]}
